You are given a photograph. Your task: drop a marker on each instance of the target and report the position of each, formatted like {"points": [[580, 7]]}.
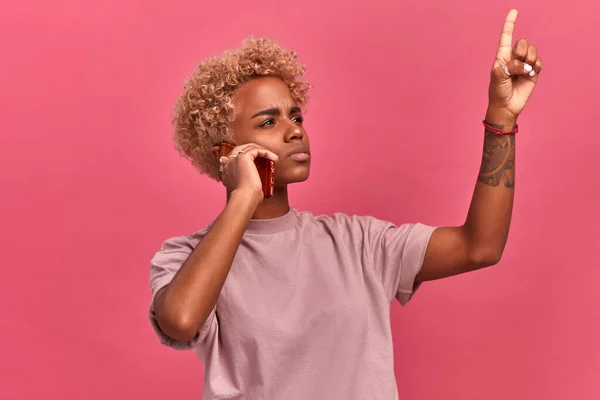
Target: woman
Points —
{"points": [[281, 304]]}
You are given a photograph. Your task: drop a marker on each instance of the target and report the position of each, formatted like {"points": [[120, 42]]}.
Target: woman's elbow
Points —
{"points": [[485, 257], [178, 327]]}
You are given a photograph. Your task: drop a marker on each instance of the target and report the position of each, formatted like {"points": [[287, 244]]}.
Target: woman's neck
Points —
{"points": [[273, 207]]}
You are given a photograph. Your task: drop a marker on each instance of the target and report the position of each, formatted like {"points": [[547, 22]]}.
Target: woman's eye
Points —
{"points": [[298, 120], [267, 122]]}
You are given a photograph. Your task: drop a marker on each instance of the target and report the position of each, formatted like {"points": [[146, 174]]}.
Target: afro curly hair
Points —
{"points": [[204, 112]]}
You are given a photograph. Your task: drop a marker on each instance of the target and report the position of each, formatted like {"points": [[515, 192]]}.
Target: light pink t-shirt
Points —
{"points": [[305, 310]]}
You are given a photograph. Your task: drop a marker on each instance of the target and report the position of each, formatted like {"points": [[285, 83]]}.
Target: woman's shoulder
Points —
{"points": [[184, 243]]}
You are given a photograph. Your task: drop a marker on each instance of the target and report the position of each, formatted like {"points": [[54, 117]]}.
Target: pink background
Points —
{"points": [[91, 184]]}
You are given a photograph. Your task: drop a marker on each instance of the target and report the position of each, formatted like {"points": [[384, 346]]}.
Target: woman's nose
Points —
{"points": [[295, 132]]}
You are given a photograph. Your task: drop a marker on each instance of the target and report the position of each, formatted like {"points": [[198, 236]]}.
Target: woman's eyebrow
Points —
{"points": [[270, 111], [275, 112]]}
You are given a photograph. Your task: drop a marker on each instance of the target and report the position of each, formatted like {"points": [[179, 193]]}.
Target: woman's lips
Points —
{"points": [[300, 156]]}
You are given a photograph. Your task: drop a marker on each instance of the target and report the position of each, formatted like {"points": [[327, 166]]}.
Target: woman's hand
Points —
{"points": [[238, 171], [514, 75]]}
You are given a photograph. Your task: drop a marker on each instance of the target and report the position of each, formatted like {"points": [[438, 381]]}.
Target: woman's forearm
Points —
{"points": [[489, 216], [183, 306]]}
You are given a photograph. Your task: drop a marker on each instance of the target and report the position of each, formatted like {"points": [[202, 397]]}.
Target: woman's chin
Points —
{"points": [[289, 179]]}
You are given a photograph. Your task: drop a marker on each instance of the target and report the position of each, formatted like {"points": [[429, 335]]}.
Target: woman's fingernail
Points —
{"points": [[532, 73], [528, 67], [222, 160]]}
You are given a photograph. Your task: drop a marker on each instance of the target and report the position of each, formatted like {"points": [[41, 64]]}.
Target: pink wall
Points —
{"points": [[91, 185]]}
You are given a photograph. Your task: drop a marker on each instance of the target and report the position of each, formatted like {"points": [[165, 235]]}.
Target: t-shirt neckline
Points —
{"points": [[273, 225]]}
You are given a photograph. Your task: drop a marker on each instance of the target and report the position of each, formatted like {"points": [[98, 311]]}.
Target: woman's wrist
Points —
{"points": [[500, 119], [250, 196]]}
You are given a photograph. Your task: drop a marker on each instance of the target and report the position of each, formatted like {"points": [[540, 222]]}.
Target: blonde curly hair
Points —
{"points": [[204, 111]]}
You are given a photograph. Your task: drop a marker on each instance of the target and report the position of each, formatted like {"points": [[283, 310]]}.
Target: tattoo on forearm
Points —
{"points": [[498, 161]]}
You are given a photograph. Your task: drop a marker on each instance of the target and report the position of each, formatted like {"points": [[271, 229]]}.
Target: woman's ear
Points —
{"points": [[216, 151]]}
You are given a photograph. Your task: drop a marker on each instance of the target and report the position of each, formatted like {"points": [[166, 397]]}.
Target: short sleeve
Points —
{"points": [[397, 254], [163, 267]]}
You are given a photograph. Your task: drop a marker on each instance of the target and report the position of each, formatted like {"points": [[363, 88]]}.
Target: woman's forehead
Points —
{"points": [[263, 93]]}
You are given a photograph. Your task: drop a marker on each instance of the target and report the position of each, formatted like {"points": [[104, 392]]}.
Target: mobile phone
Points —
{"points": [[265, 167]]}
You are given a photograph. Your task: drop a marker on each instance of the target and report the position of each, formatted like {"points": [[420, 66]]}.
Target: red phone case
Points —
{"points": [[265, 167]]}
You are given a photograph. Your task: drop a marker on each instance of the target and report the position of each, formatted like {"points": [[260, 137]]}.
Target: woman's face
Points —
{"points": [[266, 114]]}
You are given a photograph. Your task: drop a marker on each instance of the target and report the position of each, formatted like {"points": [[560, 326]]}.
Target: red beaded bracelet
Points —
{"points": [[500, 131]]}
